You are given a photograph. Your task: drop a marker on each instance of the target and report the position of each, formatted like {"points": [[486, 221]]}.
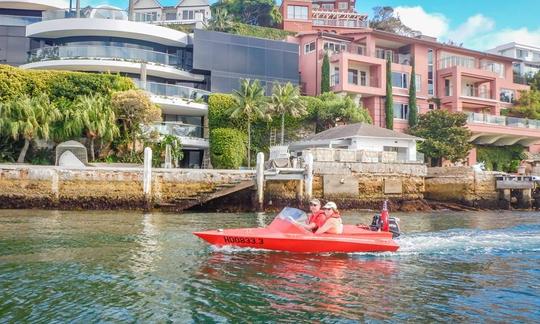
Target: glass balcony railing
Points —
{"points": [[451, 61], [476, 92], [104, 52], [9, 20], [173, 90], [478, 118], [177, 129]]}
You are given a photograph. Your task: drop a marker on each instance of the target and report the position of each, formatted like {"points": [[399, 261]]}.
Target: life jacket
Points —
{"points": [[318, 218]]}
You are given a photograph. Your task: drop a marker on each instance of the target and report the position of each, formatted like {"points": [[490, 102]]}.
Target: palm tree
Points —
{"points": [[220, 21], [287, 100], [249, 104], [98, 118], [29, 118]]}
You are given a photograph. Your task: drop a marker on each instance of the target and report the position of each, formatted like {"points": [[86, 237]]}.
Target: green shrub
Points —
{"points": [[15, 82], [227, 148], [500, 158], [258, 31], [218, 117]]}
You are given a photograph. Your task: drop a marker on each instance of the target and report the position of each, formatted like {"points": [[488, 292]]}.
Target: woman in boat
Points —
{"points": [[317, 217], [333, 223]]}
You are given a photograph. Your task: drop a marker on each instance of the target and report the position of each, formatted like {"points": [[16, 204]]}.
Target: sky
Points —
{"points": [[478, 24]]}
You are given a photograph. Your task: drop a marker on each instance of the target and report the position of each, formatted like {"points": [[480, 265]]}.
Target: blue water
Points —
{"points": [[133, 267]]}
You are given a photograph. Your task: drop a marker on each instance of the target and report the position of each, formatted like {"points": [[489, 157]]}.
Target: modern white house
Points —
{"points": [[372, 144], [190, 12], [528, 54]]}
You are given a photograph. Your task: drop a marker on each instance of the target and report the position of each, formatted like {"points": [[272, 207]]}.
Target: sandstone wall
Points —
{"points": [[461, 184], [104, 188]]}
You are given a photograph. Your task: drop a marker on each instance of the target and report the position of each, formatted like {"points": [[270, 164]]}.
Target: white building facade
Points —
{"points": [[529, 56]]}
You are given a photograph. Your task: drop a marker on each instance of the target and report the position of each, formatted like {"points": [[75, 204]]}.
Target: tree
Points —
{"points": [[249, 104], [384, 18], [413, 107], [527, 106], [389, 102], [533, 80], [98, 119], [445, 136], [286, 100], [134, 108], [325, 74], [28, 118], [252, 12], [221, 20], [329, 109]]}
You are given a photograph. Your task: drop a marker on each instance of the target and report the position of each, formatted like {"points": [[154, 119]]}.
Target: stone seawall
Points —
{"points": [[107, 188], [356, 185], [462, 185]]}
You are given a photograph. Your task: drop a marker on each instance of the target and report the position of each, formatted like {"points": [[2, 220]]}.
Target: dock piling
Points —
{"points": [[260, 180]]}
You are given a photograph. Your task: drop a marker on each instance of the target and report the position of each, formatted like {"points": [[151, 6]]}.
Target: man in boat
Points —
{"points": [[316, 218], [333, 223]]}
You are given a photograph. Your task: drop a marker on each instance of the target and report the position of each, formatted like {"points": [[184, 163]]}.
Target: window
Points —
{"points": [[146, 16], [343, 5], [506, 95], [308, 48], [401, 111], [334, 47], [418, 82], [297, 12], [353, 76], [522, 53], [400, 80], [447, 87], [187, 15], [170, 16], [328, 6], [431, 79], [431, 106], [316, 6], [363, 78], [334, 79]]}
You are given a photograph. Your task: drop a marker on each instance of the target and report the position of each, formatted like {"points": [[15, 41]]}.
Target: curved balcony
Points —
{"points": [[191, 136], [110, 59], [104, 52], [32, 4], [175, 99]]}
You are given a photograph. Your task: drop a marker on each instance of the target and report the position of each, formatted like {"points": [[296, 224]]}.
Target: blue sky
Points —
{"points": [[478, 24]]}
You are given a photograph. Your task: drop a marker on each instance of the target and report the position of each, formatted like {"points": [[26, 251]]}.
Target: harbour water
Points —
{"points": [[65, 266]]}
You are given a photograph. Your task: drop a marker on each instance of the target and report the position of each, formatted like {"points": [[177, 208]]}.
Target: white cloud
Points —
{"points": [[431, 24], [474, 26], [477, 32]]}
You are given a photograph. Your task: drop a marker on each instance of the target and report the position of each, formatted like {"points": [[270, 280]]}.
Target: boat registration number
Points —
{"points": [[246, 240]]}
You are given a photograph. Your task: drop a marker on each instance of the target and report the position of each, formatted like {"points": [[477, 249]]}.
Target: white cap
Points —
{"points": [[331, 205]]}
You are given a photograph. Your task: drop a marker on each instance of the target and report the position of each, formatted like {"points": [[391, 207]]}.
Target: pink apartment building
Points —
{"points": [[477, 83]]}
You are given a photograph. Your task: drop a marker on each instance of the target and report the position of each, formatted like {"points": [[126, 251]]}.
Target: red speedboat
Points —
{"points": [[286, 233]]}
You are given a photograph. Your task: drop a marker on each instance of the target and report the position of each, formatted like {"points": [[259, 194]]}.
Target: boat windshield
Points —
{"points": [[292, 215]]}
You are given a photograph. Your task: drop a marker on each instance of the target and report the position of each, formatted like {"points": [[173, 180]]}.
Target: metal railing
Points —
{"points": [[104, 52], [177, 129], [372, 81], [11, 20], [478, 118], [347, 23], [173, 90], [451, 61]]}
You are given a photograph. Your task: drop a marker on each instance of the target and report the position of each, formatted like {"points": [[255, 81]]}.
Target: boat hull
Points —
{"points": [[352, 240]]}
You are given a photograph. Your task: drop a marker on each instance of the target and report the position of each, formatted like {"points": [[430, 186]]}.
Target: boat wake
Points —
{"points": [[522, 238]]}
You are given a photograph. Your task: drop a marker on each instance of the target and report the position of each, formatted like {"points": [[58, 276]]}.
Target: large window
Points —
{"points": [[146, 16], [334, 47], [522, 53], [430, 78], [400, 80], [507, 95], [353, 76], [418, 82], [328, 6], [187, 15], [401, 111], [308, 48], [343, 5], [297, 12]]}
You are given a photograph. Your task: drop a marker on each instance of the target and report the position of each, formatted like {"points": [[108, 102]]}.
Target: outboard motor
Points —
{"points": [[385, 223]]}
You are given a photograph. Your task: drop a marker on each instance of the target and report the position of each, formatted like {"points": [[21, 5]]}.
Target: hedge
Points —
{"points": [[259, 31], [218, 117], [15, 82], [501, 158], [227, 148]]}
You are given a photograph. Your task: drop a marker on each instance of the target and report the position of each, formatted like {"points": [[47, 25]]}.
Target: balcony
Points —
{"points": [[10, 20], [113, 53], [340, 19], [191, 136], [475, 92], [478, 118], [471, 63], [173, 90], [398, 58]]}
